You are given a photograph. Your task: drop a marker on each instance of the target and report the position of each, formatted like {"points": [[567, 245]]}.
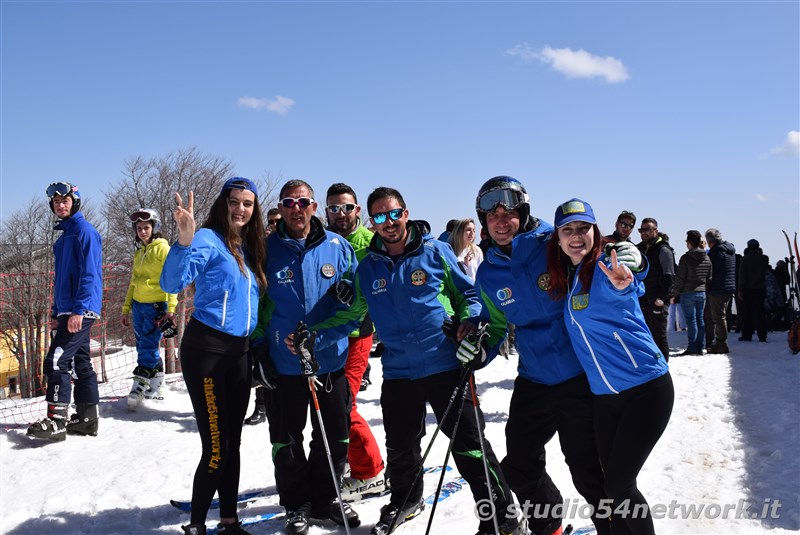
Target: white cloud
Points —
{"points": [[791, 146], [761, 197], [574, 63], [280, 105]]}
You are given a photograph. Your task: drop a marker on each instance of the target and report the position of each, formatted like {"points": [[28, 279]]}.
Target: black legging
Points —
{"points": [[217, 372], [627, 426]]}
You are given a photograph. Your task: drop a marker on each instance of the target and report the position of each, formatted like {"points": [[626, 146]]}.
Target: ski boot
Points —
{"points": [[259, 416], [141, 383], [54, 426], [156, 388], [335, 514], [389, 512], [232, 529], [194, 529], [84, 421], [354, 489], [297, 520]]}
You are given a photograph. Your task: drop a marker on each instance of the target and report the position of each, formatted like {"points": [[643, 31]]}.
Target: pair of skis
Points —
{"points": [[794, 296]]}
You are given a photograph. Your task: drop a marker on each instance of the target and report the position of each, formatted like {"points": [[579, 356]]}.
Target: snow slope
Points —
{"points": [[733, 441]]}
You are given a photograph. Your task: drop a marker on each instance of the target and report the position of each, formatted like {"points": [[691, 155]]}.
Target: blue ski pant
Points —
{"points": [[69, 357], [148, 335]]}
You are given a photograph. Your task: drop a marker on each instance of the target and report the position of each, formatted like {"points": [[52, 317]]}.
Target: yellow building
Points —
{"points": [[9, 372]]}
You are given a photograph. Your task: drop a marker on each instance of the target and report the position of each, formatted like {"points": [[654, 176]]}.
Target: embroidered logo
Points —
{"points": [[579, 302], [285, 276], [328, 271], [418, 277], [543, 282], [503, 294]]}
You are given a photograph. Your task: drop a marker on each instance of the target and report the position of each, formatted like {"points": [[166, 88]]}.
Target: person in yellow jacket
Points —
{"points": [[151, 308]]}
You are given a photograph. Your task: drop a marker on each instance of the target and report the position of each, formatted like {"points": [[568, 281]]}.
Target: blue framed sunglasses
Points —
{"points": [[394, 215], [290, 202]]}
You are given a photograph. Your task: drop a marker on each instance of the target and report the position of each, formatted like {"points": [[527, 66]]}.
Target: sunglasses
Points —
{"points": [[643, 230], [143, 215], [507, 198], [394, 215], [59, 188], [346, 208], [291, 202], [273, 221], [624, 224]]}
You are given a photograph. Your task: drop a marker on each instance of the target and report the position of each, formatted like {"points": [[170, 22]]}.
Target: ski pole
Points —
{"points": [[483, 452], [458, 390], [313, 388], [447, 456]]}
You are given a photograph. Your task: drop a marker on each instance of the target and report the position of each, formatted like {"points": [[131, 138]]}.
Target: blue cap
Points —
{"points": [[239, 182], [574, 210]]}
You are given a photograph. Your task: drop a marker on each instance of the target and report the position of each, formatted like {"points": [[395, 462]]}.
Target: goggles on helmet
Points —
{"points": [[143, 215], [509, 199], [59, 188]]}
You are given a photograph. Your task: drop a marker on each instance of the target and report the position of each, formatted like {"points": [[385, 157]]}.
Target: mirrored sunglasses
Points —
{"points": [[346, 208], [507, 198], [394, 215], [290, 202]]}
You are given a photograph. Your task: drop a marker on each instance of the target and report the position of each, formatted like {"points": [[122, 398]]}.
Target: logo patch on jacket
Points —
{"points": [[285, 276], [543, 282], [419, 277], [328, 271], [504, 295], [378, 286], [580, 301]]}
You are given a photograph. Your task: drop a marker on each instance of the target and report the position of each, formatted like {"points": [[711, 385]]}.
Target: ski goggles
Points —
{"points": [[345, 208], [509, 199], [394, 215], [60, 188], [143, 215], [291, 202]]}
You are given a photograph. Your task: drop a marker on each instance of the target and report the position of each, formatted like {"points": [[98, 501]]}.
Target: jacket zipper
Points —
{"points": [[583, 335], [224, 308], [249, 309], [622, 343]]}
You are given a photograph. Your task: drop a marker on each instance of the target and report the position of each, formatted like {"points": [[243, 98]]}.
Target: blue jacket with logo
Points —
{"points": [[515, 290], [225, 298], [409, 299], [610, 336], [299, 277], [78, 281]]}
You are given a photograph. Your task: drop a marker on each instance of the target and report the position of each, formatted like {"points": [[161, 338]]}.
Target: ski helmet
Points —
{"points": [[507, 192], [64, 189], [146, 214]]}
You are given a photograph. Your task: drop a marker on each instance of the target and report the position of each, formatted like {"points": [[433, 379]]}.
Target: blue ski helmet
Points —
{"points": [[64, 189], [507, 192]]}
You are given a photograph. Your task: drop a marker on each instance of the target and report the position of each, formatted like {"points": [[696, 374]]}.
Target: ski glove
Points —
{"points": [[473, 346], [342, 291], [450, 328], [304, 348], [166, 325], [627, 255], [264, 371]]}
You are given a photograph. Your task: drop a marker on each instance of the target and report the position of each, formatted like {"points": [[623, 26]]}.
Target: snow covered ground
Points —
{"points": [[733, 442]]}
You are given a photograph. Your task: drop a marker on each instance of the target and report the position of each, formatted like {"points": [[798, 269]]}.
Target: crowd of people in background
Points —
{"points": [[295, 306]]}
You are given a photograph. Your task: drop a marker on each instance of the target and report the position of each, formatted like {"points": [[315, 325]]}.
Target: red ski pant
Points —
{"points": [[363, 454]]}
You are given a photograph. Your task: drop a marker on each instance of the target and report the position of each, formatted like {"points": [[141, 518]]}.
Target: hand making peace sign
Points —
{"points": [[184, 217], [619, 274]]}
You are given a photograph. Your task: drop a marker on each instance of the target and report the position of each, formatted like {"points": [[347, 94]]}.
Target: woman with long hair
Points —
{"points": [[462, 240], [147, 306], [629, 377], [224, 260]]}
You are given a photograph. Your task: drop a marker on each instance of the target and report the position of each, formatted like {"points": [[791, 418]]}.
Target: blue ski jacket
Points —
{"points": [[299, 277], [78, 280], [515, 290], [609, 334], [225, 298], [408, 299]]}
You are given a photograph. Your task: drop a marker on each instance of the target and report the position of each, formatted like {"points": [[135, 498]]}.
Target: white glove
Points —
{"points": [[473, 347], [627, 255]]}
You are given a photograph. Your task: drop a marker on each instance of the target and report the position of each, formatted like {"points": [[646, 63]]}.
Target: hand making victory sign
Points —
{"points": [[619, 274], [184, 217]]}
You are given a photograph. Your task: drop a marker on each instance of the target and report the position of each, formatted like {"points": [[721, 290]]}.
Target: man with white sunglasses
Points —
{"points": [[304, 261], [367, 477]]}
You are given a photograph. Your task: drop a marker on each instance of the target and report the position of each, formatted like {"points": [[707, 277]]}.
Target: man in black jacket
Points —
{"points": [[752, 290], [658, 282], [720, 291]]}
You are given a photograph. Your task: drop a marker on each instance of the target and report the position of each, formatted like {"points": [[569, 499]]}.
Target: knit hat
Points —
{"points": [[752, 244]]}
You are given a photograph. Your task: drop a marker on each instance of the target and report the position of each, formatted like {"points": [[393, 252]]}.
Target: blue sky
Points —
{"points": [[684, 111]]}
